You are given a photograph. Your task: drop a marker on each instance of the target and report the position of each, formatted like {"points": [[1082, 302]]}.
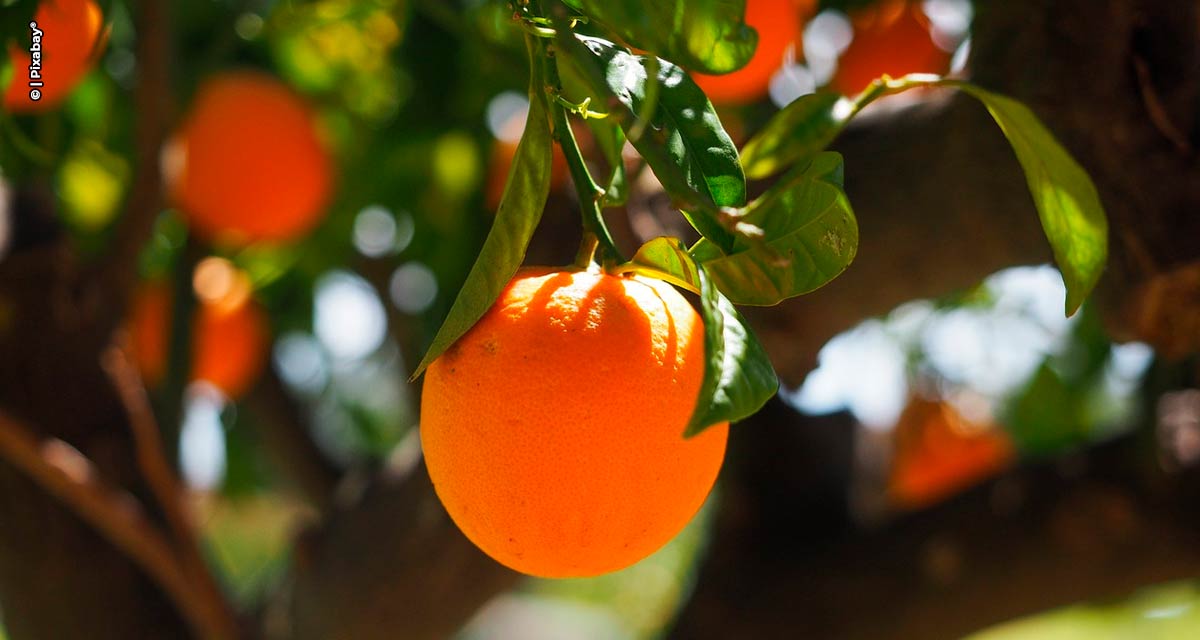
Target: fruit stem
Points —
{"points": [[590, 194], [587, 250]]}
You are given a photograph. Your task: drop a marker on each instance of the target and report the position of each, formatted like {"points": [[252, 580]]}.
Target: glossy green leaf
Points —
{"points": [[704, 35], [1066, 199], [685, 144], [738, 376], [811, 236], [797, 133], [666, 259], [518, 215]]}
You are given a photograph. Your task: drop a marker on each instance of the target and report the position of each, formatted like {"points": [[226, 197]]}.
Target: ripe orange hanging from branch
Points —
{"points": [[229, 329], [778, 23], [891, 37], [248, 162], [553, 430], [73, 38]]}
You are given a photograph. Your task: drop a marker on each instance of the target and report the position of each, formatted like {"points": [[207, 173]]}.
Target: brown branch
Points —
{"points": [[116, 275], [167, 489], [1155, 110], [66, 474]]}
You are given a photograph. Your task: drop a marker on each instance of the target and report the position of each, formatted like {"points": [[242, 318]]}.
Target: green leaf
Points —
{"points": [[1046, 417], [666, 259], [1066, 199], [685, 144], [738, 376], [797, 133], [704, 35], [1067, 202], [518, 215], [811, 236], [1164, 611]]}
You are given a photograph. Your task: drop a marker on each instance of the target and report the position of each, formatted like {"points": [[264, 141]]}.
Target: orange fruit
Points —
{"points": [[778, 23], [229, 332], [248, 162], [553, 430], [891, 37], [73, 38], [940, 453]]}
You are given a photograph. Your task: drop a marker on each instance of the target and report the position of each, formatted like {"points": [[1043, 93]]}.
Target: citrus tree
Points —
{"points": [[182, 179]]}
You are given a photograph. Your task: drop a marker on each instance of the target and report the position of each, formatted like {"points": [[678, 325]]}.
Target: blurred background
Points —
{"points": [[948, 452]]}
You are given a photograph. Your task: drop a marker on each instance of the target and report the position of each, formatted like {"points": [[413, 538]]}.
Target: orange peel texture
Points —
{"points": [[553, 430]]}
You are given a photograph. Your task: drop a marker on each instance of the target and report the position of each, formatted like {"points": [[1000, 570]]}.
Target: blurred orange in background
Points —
{"points": [[73, 38], [891, 37], [230, 333], [779, 24], [939, 452], [248, 163]]}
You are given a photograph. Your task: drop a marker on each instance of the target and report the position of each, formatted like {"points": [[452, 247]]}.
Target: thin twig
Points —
{"points": [[116, 275], [65, 473], [590, 194], [1155, 109], [167, 489]]}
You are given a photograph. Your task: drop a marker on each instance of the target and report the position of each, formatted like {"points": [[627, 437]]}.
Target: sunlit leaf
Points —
{"points": [[518, 215], [666, 259], [811, 236], [684, 142], [801, 130], [1066, 199], [710, 36], [1163, 612], [738, 376]]}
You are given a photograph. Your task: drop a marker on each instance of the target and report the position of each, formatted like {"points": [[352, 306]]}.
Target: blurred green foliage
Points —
{"points": [[1164, 612]]}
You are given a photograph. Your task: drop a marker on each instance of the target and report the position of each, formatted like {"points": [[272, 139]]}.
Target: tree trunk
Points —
{"points": [[58, 578]]}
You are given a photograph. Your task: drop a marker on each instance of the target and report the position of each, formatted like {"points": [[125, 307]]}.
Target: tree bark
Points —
{"points": [[58, 578]]}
